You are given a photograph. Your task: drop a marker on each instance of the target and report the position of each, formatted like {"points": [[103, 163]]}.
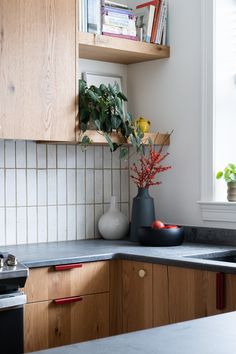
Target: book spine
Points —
{"points": [[133, 38], [118, 21], [155, 22], [94, 16], [150, 22], [161, 24], [117, 12], [115, 4]]}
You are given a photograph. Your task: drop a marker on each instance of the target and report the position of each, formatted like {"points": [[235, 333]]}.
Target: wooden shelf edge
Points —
{"points": [[118, 50], [98, 139]]}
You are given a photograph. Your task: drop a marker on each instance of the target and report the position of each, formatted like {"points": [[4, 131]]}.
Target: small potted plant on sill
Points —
{"points": [[102, 108], [229, 175]]}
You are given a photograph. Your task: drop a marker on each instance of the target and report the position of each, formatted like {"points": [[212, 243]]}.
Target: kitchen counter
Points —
{"points": [[48, 254], [211, 335]]}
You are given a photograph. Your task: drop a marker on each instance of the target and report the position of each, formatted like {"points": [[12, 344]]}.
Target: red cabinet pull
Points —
{"points": [[220, 291], [67, 266], [68, 300]]}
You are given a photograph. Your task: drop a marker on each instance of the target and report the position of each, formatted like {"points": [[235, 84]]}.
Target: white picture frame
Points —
{"points": [[96, 79]]}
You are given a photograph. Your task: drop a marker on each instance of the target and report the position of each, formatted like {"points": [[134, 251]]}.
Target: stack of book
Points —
{"points": [[151, 19], [118, 20], [111, 18]]}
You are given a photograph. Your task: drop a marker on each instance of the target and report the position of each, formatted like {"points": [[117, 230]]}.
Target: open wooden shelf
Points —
{"points": [[98, 138], [118, 50]]}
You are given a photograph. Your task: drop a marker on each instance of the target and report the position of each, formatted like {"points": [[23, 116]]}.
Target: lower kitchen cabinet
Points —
{"points": [[187, 294], [160, 295], [137, 296], [50, 324]]}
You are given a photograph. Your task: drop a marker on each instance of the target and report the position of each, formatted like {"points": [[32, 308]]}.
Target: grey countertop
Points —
{"points": [[211, 335], [48, 254]]}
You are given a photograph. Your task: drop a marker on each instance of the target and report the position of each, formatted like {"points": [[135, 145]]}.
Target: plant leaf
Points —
{"points": [[123, 153], [122, 96], [115, 121], [110, 143], [98, 124], [85, 140], [219, 175]]}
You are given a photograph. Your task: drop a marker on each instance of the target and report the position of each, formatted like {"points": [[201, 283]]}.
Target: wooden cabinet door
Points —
{"points": [[137, 296], [37, 71], [48, 324], [229, 293], [187, 294], [160, 295]]}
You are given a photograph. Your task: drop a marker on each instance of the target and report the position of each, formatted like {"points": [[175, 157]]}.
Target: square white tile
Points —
{"points": [[106, 157], [80, 157], [124, 186], [2, 227], [90, 157], [116, 184], [98, 157], [98, 186], [107, 186], [98, 214]]}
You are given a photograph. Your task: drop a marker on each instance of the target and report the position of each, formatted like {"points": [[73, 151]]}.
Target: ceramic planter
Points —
{"points": [[231, 191]]}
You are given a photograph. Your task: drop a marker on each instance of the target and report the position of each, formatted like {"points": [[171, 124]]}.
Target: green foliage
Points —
{"points": [[229, 173], [103, 108]]}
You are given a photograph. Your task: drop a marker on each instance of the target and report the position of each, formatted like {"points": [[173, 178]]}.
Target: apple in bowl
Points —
{"points": [[159, 234]]}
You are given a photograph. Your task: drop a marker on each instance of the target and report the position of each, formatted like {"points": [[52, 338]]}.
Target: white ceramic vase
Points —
{"points": [[113, 225]]}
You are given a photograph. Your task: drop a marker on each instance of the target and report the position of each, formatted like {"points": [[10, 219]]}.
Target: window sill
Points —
{"points": [[218, 211]]}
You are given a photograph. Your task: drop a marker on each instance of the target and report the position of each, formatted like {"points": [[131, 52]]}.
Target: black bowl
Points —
{"points": [[160, 237]]}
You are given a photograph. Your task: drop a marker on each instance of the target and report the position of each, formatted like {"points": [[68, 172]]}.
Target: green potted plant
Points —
{"points": [[229, 175], [102, 108]]}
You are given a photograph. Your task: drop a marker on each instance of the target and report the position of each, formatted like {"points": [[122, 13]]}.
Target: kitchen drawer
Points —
{"points": [[49, 324], [51, 283]]}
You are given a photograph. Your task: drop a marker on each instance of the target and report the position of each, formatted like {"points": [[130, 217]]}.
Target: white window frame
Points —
{"points": [[210, 209]]}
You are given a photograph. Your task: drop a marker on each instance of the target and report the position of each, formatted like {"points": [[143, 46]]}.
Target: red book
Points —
{"points": [[153, 2], [156, 20]]}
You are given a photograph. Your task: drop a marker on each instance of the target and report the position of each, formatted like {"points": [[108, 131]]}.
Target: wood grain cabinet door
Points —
{"points": [[160, 295], [137, 296], [49, 324], [37, 71], [187, 294]]}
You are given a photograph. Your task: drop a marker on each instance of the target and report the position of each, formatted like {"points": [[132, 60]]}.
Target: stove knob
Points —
{"points": [[11, 260], [1, 261]]}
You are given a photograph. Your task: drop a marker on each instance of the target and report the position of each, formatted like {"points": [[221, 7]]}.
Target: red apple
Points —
{"points": [[158, 224], [171, 227]]}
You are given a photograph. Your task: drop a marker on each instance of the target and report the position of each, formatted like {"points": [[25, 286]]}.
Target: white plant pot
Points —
{"points": [[113, 225]]}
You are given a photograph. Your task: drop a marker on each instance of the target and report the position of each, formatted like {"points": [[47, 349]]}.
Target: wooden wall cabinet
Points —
{"points": [[66, 306], [38, 69]]}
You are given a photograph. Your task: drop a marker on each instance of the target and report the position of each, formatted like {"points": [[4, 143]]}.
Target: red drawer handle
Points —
{"points": [[220, 291], [67, 300], [67, 266]]}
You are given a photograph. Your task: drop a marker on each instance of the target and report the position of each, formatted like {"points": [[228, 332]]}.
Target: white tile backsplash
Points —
{"points": [[54, 193]]}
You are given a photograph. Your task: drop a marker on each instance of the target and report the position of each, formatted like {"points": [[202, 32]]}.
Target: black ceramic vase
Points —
{"points": [[143, 212]]}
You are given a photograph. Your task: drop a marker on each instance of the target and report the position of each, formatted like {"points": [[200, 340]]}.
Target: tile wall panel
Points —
{"points": [[54, 193]]}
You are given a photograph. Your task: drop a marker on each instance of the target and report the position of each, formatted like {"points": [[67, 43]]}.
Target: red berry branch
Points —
{"points": [[149, 167]]}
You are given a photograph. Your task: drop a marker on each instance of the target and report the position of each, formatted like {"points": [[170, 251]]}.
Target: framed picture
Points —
{"points": [[97, 79]]}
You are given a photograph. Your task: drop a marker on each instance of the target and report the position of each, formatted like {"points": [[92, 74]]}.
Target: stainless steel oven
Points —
{"points": [[12, 277]]}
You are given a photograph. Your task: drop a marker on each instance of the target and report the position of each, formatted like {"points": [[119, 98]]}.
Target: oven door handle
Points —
{"points": [[12, 300]]}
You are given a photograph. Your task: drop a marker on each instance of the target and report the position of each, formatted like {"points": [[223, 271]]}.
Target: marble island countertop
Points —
{"points": [[48, 254], [211, 335]]}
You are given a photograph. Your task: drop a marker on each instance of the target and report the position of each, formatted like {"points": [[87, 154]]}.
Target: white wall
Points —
{"points": [[168, 93]]}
